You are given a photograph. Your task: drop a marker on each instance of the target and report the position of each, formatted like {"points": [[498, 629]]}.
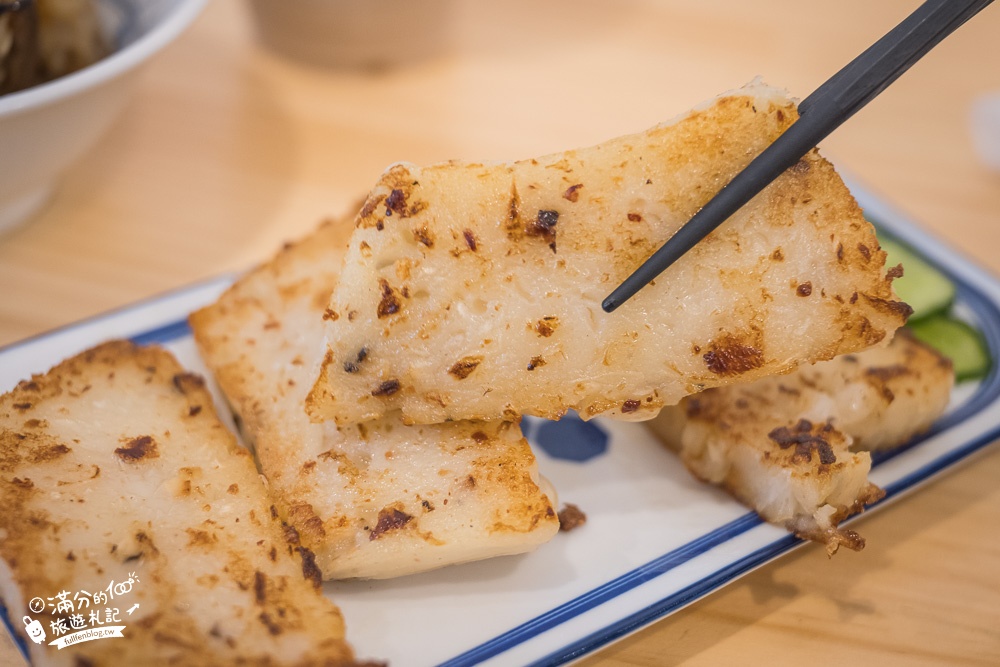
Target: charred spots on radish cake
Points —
{"points": [[544, 226], [573, 193], [546, 326], [886, 373], [188, 382], [368, 209], [731, 355], [354, 365], [272, 626], [47, 453], [390, 302], [395, 202], [136, 449], [402, 202], [423, 236], [806, 439], [879, 378], [290, 534], [310, 570], [513, 225], [389, 519], [470, 239], [386, 388], [541, 226], [259, 587], [464, 367], [536, 362]]}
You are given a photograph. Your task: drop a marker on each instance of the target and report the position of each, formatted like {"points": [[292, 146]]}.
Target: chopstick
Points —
{"points": [[843, 95]]}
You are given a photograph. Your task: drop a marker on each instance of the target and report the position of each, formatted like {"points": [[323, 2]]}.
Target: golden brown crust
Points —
{"points": [[114, 467], [517, 243], [795, 447]]}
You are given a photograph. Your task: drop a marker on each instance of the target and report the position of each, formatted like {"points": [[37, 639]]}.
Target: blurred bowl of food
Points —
{"points": [[66, 70]]}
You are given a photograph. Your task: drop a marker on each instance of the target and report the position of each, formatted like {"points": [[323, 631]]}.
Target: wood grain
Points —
{"points": [[227, 150]]}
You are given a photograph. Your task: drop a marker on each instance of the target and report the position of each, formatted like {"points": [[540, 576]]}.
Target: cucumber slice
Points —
{"points": [[958, 341], [924, 288]]}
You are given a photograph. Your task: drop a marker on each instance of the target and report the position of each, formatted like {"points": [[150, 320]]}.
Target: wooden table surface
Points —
{"points": [[227, 150]]}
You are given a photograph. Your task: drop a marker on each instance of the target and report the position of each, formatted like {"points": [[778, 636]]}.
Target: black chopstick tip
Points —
{"points": [[623, 292], [618, 296]]}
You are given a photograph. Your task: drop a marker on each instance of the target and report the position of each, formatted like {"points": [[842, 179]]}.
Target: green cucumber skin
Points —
{"points": [[931, 294], [958, 341], [928, 291]]}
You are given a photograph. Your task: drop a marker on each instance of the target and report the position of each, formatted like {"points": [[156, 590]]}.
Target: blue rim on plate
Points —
{"points": [[547, 638]]}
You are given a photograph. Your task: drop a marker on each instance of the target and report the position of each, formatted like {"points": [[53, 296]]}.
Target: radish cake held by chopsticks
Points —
{"points": [[473, 291]]}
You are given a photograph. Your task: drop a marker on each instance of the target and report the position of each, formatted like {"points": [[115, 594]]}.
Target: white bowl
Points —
{"points": [[45, 128]]}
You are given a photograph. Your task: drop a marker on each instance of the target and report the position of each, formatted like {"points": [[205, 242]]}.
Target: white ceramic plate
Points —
{"points": [[655, 540]]}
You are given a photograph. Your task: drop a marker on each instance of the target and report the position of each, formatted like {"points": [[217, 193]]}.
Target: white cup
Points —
{"points": [[355, 33], [985, 119]]}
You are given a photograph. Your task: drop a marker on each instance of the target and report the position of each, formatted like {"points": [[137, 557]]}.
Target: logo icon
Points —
{"points": [[34, 629], [82, 617]]}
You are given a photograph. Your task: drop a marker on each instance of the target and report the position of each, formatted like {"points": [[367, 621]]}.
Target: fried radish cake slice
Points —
{"points": [[474, 291], [128, 504], [794, 448], [377, 500]]}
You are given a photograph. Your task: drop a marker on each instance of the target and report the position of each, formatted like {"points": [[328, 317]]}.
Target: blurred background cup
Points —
{"points": [[986, 129], [355, 34]]}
